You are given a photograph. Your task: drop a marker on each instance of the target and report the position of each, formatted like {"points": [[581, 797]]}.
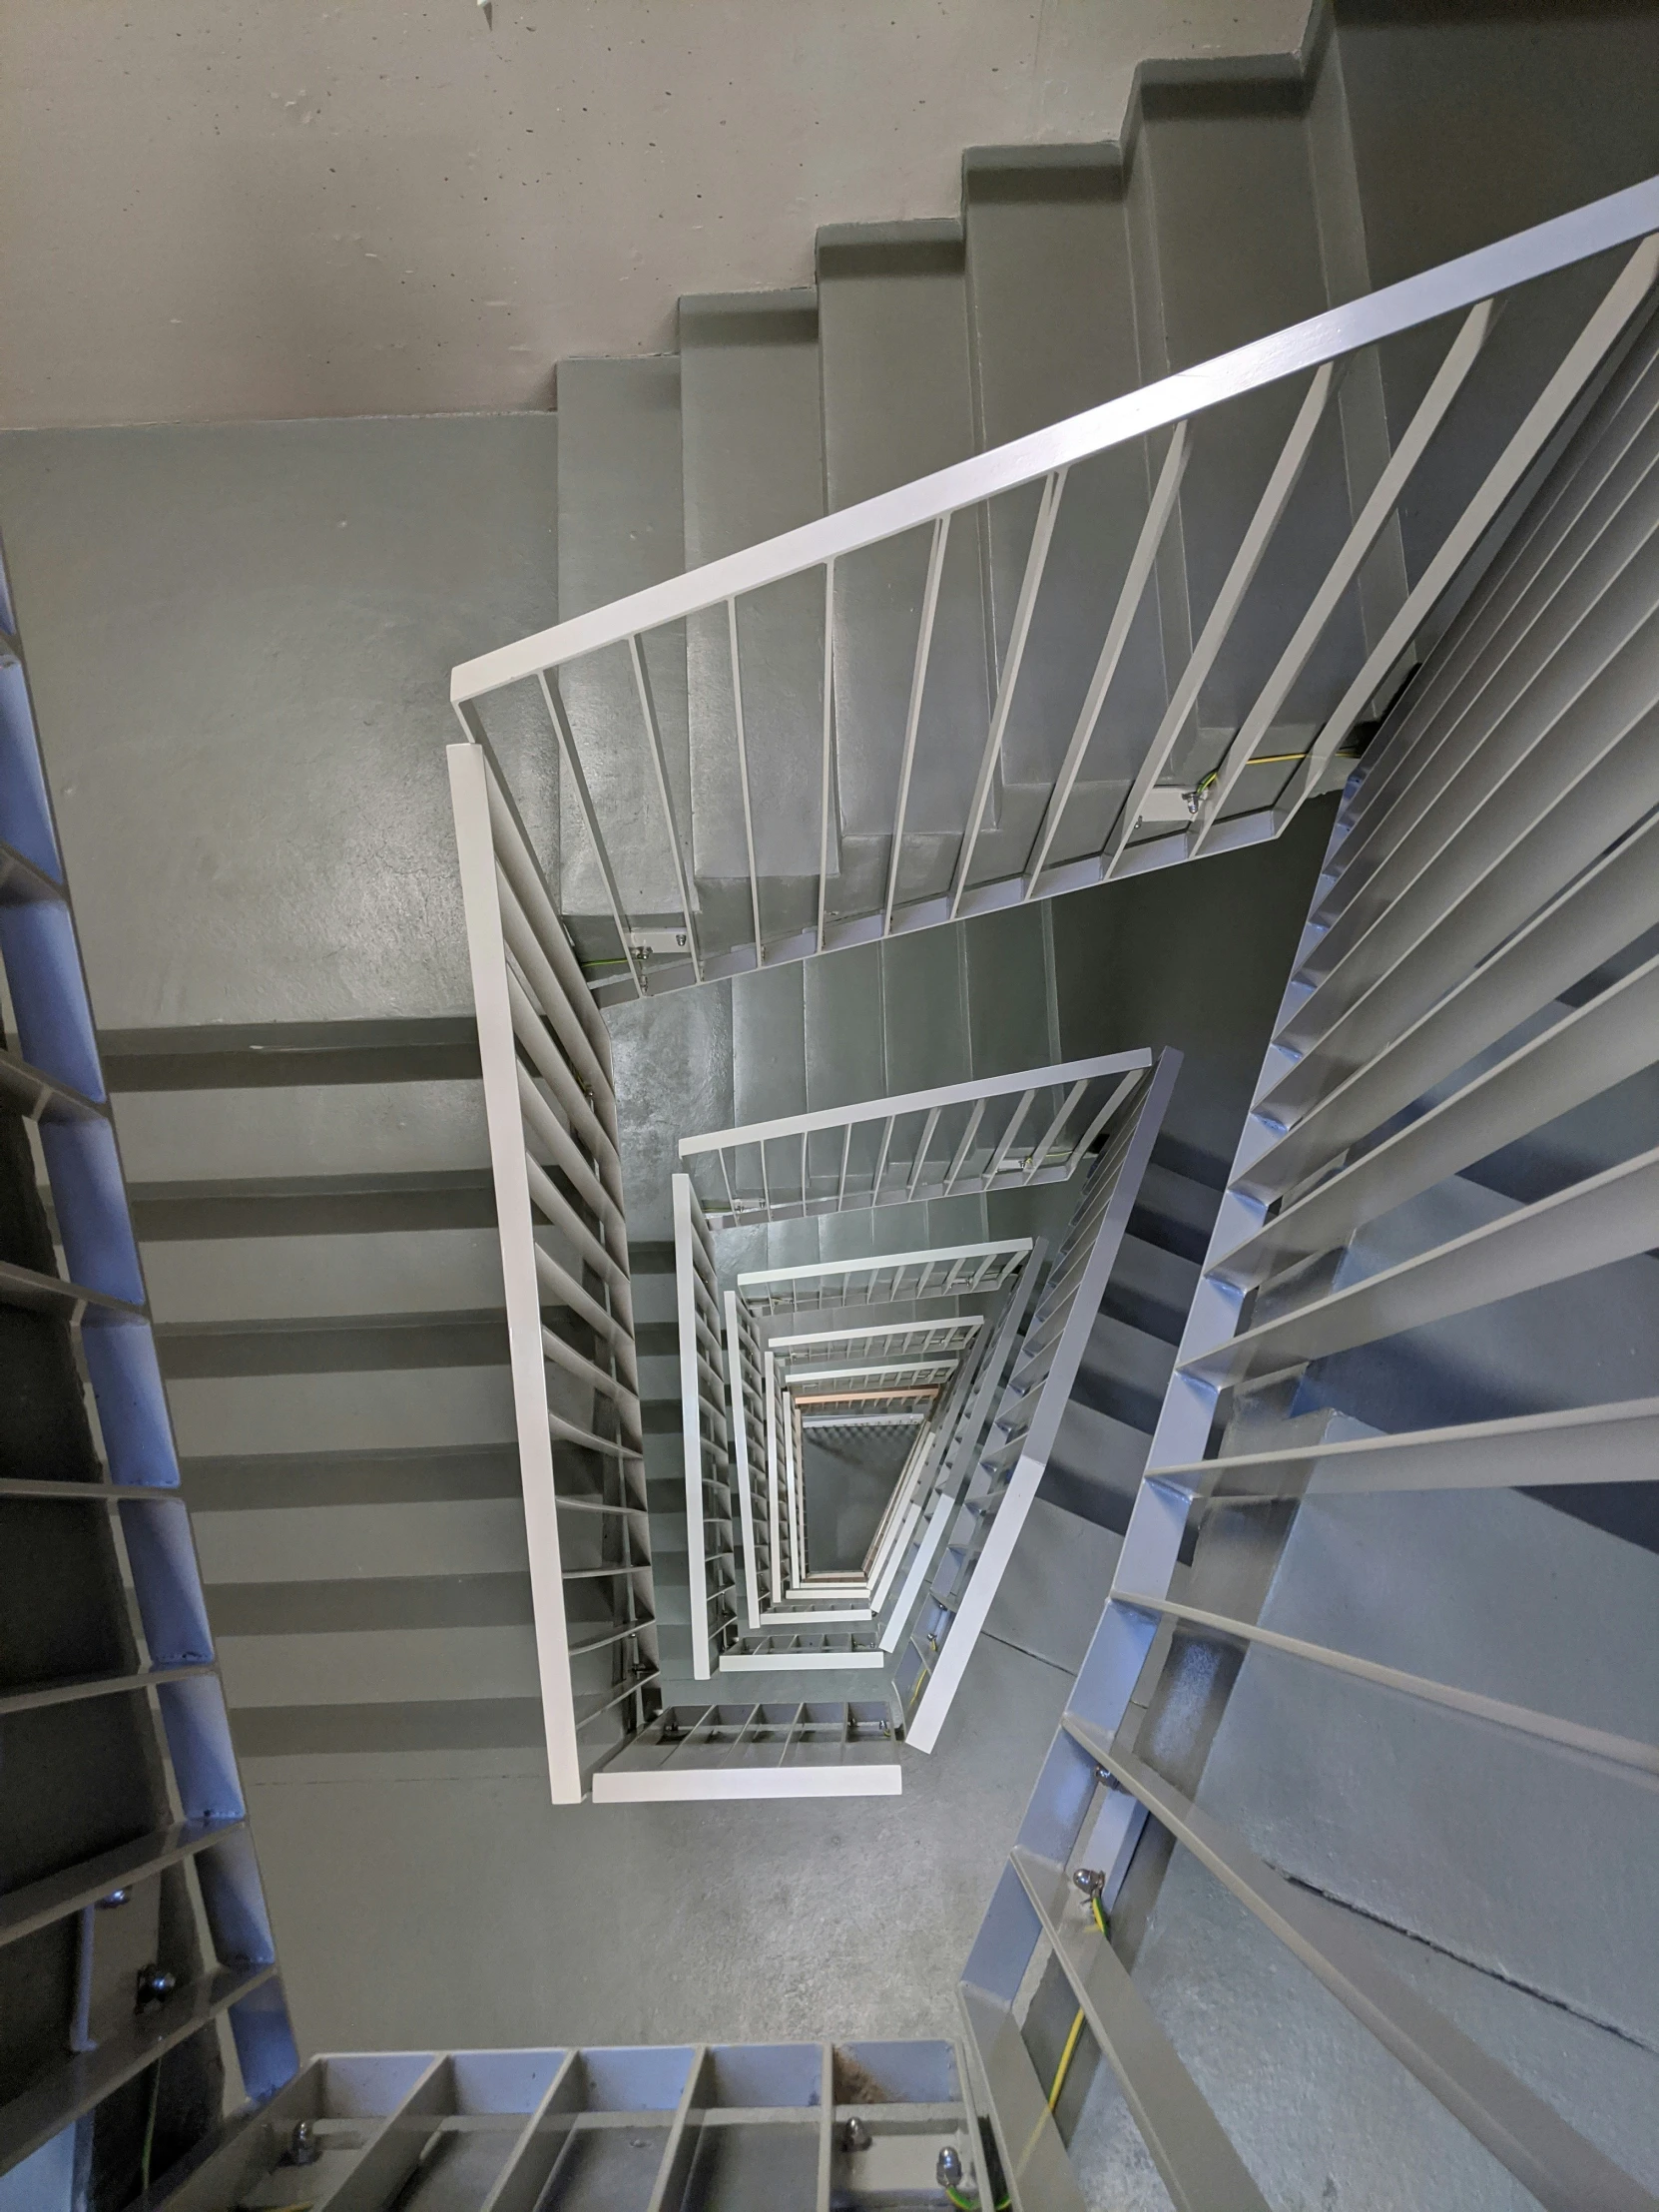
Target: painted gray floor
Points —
{"points": [[652, 1924]]}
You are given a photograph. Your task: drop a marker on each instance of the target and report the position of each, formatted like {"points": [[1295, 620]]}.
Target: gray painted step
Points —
{"points": [[753, 445], [1492, 1592], [897, 403], [1223, 199], [621, 528], [1151, 1289], [1052, 301], [1095, 1468], [1124, 1372], [1051, 1595], [1175, 1212]]}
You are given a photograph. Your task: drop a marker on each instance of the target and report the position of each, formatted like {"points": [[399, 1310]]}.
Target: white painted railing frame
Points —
{"points": [[948, 1340], [706, 1436], [958, 1447], [779, 1605], [530, 999], [1159, 415], [885, 1277], [988, 1530], [746, 1389]]}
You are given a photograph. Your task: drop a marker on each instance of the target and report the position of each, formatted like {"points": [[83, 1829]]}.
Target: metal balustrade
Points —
{"points": [[1190, 790], [663, 2125], [119, 1776], [885, 1277], [801, 1379], [960, 1140], [550, 1105], [772, 1750], [1465, 1033], [1032, 1127], [888, 1405], [947, 1445], [998, 1496], [711, 1517]]}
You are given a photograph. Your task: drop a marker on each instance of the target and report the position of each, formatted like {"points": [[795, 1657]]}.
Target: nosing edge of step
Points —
{"points": [[774, 318], [928, 247]]}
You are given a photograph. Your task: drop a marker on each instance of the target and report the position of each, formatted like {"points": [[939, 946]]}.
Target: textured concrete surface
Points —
{"points": [[388, 208], [1325, 2119], [651, 1923]]}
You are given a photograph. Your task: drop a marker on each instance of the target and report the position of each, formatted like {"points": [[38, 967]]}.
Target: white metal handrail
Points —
{"points": [[885, 1278], [841, 1385], [703, 1754], [957, 1140], [882, 1340], [955, 1453], [1469, 286], [549, 1103], [706, 1435], [759, 1376], [746, 1389]]}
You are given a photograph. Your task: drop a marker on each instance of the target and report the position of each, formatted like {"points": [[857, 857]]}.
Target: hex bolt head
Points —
{"points": [[154, 1986]]}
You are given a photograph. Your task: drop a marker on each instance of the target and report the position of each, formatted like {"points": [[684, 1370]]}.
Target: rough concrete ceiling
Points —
{"points": [[269, 209]]}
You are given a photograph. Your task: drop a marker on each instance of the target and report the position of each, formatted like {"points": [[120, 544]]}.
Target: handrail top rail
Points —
{"points": [[969, 1322], [877, 1262], [916, 1102], [1618, 220]]}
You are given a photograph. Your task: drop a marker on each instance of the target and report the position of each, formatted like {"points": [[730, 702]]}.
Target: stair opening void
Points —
{"points": [[1368, 1432]]}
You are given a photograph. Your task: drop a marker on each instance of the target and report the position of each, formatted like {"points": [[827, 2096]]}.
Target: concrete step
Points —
{"points": [[897, 403], [1491, 1592], [621, 527], [1051, 303], [753, 455]]}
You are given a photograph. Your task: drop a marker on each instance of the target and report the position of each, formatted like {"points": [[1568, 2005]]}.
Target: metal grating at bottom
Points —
{"points": [[787, 1750], [741, 2127]]}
